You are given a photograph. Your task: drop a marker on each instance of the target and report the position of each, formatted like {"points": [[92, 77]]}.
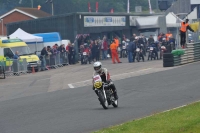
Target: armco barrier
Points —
{"points": [[192, 54]]}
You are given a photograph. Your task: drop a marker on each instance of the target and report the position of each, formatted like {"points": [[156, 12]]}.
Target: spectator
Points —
{"points": [[172, 41], [104, 49], [160, 37], [69, 50], [130, 49], [168, 35], [73, 53], [43, 58], [150, 40], [16, 56], [134, 35], [49, 52], [95, 51], [53, 56], [63, 54]]}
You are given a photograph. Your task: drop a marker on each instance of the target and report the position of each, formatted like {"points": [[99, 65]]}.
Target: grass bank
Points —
{"points": [[182, 120]]}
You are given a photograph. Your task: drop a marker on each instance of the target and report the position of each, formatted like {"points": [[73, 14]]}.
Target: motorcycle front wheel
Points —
{"points": [[102, 100]]}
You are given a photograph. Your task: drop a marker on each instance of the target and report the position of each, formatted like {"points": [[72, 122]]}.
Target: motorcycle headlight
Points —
{"points": [[98, 84]]}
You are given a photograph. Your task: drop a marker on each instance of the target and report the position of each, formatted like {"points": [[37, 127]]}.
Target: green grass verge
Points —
{"points": [[181, 120]]}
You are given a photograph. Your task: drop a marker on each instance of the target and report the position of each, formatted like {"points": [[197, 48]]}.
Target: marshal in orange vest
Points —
{"points": [[184, 27]]}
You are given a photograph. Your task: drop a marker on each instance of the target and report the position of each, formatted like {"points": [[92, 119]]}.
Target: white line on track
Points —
{"points": [[70, 86], [114, 76]]}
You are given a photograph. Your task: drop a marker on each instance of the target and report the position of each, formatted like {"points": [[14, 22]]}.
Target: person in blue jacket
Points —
{"points": [[16, 56], [131, 51]]}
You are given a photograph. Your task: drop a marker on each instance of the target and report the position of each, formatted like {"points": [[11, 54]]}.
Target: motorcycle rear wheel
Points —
{"points": [[115, 103]]}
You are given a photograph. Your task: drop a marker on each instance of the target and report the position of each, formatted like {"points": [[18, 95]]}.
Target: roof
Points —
{"points": [[31, 12], [172, 20]]}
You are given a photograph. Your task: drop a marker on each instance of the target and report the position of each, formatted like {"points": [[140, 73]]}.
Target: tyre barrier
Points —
{"points": [[168, 60], [192, 54]]}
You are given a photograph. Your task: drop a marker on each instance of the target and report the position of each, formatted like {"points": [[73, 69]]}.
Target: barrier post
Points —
{"points": [[33, 70]]}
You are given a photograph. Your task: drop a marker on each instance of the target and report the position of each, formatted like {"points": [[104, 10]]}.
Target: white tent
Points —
{"points": [[35, 43], [172, 20], [24, 36]]}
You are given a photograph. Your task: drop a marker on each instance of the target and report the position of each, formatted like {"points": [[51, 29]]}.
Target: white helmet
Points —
{"points": [[123, 42], [97, 66]]}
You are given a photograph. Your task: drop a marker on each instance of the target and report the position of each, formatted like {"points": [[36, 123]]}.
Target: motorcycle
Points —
{"points": [[143, 49], [124, 53], [151, 53], [172, 46], [138, 53], [162, 50], [84, 58], [105, 94]]}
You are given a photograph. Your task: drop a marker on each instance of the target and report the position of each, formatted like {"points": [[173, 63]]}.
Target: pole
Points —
{"points": [[156, 5], [52, 8], [128, 5], [150, 10], [198, 31], [32, 3], [177, 36], [2, 27]]}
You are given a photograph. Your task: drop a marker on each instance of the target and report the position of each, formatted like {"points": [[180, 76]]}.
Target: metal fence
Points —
{"points": [[2, 70], [54, 61], [11, 67]]}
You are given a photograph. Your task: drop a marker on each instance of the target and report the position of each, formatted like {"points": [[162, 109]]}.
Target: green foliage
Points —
{"points": [[67, 6]]}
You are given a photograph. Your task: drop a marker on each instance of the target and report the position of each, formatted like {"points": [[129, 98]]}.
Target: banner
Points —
{"points": [[95, 21]]}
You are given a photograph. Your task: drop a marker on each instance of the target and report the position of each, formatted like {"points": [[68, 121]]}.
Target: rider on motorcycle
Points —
{"points": [[88, 51], [155, 48], [105, 76], [141, 50]]}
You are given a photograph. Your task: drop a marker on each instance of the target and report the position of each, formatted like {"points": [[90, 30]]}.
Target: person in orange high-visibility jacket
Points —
{"points": [[183, 29], [113, 48], [168, 35], [116, 41]]}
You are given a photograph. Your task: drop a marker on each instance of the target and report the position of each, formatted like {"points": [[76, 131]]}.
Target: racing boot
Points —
{"points": [[112, 86], [115, 95]]}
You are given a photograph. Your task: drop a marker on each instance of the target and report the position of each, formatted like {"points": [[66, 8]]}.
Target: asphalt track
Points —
{"points": [[78, 110]]}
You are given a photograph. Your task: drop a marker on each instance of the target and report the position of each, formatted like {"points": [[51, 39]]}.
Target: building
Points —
{"points": [[96, 24], [20, 14]]}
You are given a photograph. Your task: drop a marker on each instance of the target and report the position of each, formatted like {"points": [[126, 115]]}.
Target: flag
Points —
{"points": [[112, 10], [97, 6], [195, 26], [89, 7], [39, 7]]}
